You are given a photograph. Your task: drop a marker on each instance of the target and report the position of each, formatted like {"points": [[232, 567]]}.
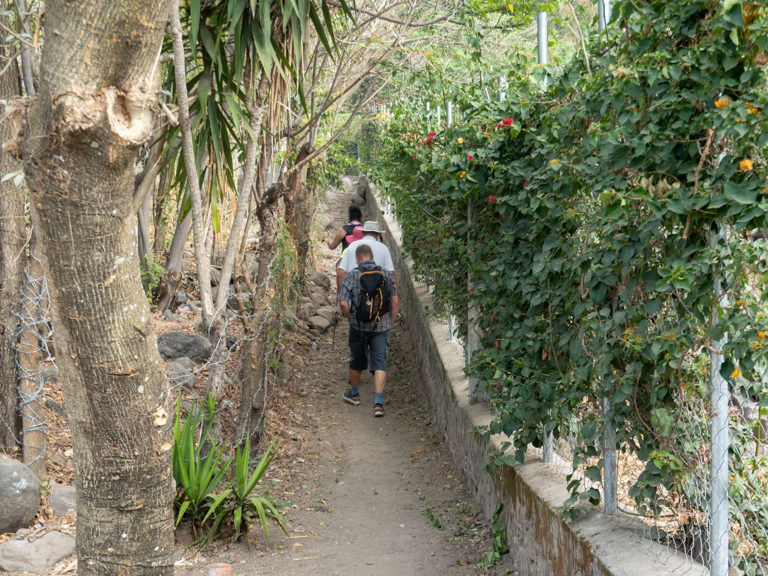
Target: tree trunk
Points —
{"points": [[202, 257], [12, 260], [98, 88], [167, 289], [34, 310], [255, 365], [218, 331], [295, 187], [306, 203]]}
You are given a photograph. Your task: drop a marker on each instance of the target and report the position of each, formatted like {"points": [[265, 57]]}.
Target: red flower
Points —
{"points": [[492, 199], [432, 134], [471, 291], [525, 184], [507, 121], [469, 157], [414, 155]]}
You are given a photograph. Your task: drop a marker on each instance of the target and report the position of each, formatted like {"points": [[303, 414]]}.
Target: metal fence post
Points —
{"points": [[610, 470], [718, 529], [603, 13], [473, 338], [543, 46]]}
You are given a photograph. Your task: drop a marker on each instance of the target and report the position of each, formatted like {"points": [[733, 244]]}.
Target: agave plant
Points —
{"points": [[196, 465], [241, 501]]}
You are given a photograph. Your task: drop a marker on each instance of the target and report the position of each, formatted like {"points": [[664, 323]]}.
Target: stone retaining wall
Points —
{"points": [[542, 542]]}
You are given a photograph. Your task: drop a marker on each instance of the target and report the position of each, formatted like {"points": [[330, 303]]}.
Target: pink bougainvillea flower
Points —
{"points": [[432, 134], [498, 125], [414, 156], [525, 184], [492, 199], [469, 157], [507, 121]]}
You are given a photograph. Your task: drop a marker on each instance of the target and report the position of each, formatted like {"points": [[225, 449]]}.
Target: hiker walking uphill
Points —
{"points": [[368, 297], [343, 233], [381, 256]]}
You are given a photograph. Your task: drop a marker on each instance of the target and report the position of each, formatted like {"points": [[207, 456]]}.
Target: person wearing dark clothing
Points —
{"points": [[355, 220], [367, 335]]}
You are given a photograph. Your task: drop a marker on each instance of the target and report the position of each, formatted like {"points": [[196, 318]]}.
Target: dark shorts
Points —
{"points": [[360, 342]]}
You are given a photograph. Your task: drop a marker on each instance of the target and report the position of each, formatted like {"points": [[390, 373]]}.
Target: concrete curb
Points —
{"points": [[542, 542]]}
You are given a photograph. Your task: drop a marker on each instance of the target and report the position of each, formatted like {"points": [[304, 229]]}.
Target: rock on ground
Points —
{"points": [[21, 555], [178, 344], [328, 313], [319, 323], [19, 495], [179, 374], [62, 498], [321, 280]]}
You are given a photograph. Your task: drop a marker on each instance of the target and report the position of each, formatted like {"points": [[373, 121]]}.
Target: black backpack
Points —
{"points": [[374, 295]]}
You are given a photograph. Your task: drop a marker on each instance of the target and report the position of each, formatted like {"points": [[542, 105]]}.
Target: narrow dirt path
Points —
{"points": [[371, 496]]}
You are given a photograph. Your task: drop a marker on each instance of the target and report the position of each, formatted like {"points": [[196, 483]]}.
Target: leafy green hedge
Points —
{"points": [[604, 210]]}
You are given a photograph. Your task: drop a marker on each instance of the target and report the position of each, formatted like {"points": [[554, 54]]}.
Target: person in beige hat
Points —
{"points": [[372, 234]]}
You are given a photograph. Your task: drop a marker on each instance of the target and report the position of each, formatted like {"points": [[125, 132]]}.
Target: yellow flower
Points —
{"points": [[462, 174], [670, 336], [736, 373], [553, 162], [745, 165], [719, 104], [761, 335], [739, 302], [460, 140], [429, 53], [511, 7], [726, 100]]}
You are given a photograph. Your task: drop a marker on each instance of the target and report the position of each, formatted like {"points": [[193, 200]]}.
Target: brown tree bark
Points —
{"points": [[305, 206], [255, 365], [12, 257], [93, 112], [34, 310]]}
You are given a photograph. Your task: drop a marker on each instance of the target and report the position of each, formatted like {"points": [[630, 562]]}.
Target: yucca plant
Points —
{"points": [[240, 500], [196, 472]]}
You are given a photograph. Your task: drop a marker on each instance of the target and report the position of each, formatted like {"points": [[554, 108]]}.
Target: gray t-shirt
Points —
{"points": [[381, 255]]}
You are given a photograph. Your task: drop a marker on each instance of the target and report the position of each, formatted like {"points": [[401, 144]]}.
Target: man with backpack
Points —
{"points": [[368, 297], [371, 236]]}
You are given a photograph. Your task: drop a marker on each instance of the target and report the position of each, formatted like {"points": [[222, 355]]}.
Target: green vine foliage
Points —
{"points": [[602, 212]]}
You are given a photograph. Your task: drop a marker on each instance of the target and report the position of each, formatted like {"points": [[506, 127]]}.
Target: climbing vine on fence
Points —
{"points": [[604, 210]]}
